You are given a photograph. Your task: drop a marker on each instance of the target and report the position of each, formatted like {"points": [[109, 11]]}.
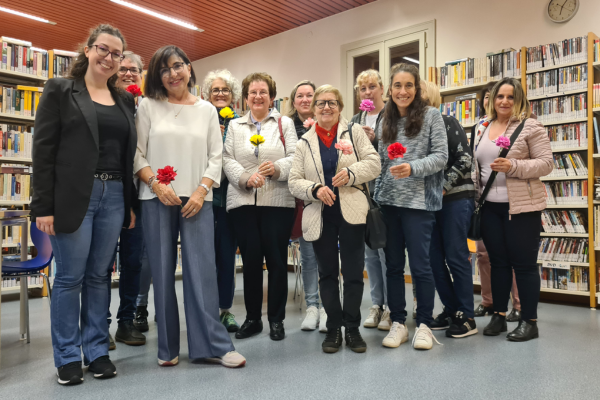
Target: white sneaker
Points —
{"points": [[233, 359], [398, 335], [171, 363], [322, 320], [374, 317], [311, 320], [423, 339], [386, 322]]}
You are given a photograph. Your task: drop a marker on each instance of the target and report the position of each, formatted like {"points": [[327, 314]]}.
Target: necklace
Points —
{"points": [[177, 114]]}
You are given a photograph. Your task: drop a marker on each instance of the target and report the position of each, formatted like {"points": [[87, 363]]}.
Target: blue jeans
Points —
{"points": [[376, 270], [225, 248], [81, 259], [206, 336], [409, 229], [131, 246], [145, 280], [449, 254], [310, 273]]}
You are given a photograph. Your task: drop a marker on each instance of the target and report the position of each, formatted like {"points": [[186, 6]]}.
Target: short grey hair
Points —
{"points": [[134, 58], [224, 74]]}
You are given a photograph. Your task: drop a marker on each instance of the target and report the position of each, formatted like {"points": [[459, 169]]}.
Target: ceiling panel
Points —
{"points": [[227, 24]]}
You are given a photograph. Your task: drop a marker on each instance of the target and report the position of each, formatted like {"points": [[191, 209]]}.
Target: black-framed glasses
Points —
{"points": [[133, 71], [332, 104], [177, 68], [103, 52], [216, 91]]}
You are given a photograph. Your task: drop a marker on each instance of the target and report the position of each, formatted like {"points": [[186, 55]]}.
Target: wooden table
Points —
{"points": [[12, 218]]}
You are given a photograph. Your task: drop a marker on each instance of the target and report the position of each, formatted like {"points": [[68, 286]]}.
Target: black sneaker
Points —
{"points": [[355, 341], [442, 321], [141, 319], [461, 326], [103, 368], [332, 341], [70, 374], [129, 334]]}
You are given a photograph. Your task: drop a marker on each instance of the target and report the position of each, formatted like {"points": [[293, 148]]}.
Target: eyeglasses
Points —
{"points": [[103, 52], [133, 71], [258, 94], [216, 91], [177, 68], [321, 104]]}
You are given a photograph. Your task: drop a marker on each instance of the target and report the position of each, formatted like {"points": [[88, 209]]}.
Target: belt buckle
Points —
{"points": [[104, 176]]}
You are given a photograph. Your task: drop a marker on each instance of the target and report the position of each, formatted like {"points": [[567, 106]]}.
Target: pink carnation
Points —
{"points": [[345, 146], [503, 142], [308, 123], [367, 105]]}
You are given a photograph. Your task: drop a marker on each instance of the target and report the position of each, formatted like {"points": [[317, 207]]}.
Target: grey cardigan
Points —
{"points": [[427, 154]]}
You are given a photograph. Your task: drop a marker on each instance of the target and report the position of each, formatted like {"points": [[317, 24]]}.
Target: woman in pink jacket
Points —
{"points": [[511, 214]]}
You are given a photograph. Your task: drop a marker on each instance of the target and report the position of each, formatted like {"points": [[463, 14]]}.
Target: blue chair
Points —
{"points": [[34, 267]]}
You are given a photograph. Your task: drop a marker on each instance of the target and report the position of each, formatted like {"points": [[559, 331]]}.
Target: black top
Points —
{"points": [[329, 158], [457, 172], [114, 134], [299, 125]]}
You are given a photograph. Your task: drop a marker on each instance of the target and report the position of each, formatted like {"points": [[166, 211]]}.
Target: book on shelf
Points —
{"points": [[568, 164], [16, 141], [596, 135], [567, 135], [465, 109], [21, 56], [596, 50], [19, 99], [563, 52], [564, 221], [596, 95], [573, 279], [563, 249], [61, 62], [16, 281], [566, 192], [560, 108], [12, 235], [557, 80], [15, 185], [597, 225]]}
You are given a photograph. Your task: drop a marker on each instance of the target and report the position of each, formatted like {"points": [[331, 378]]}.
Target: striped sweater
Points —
{"points": [[427, 154]]}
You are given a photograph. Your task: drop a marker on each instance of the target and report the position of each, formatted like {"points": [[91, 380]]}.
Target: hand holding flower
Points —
{"points": [[401, 171], [267, 168], [163, 188], [501, 165], [256, 181]]}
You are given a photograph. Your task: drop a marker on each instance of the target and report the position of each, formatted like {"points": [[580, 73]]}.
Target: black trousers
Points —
{"points": [[351, 239], [512, 243], [264, 233]]}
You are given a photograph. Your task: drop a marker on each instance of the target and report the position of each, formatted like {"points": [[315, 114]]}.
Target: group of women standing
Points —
{"points": [[236, 181]]}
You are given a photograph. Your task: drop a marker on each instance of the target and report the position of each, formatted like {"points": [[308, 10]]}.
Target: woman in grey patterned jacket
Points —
{"points": [[409, 191]]}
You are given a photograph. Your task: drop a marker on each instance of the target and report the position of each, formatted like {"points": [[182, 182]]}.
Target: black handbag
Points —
{"points": [[375, 233], [475, 227]]}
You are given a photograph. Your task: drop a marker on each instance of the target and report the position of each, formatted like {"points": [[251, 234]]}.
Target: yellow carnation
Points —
{"points": [[226, 113], [257, 140]]}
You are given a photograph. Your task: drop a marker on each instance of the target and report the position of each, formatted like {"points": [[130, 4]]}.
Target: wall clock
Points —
{"points": [[562, 10]]}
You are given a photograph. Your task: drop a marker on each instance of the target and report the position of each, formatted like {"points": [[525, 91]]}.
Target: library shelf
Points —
{"points": [[572, 235], [569, 292], [17, 118], [574, 264], [566, 206], [597, 202], [14, 245], [597, 65], [597, 109], [17, 289], [21, 75], [563, 178], [566, 93], [582, 148], [596, 155], [16, 160], [533, 71], [469, 125], [476, 283], [14, 202], [460, 89], [564, 121]]}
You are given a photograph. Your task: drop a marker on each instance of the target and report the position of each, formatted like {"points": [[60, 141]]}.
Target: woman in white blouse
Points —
{"points": [[260, 202], [180, 130]]}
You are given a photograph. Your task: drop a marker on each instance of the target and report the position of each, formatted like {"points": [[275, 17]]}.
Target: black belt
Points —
{"points": [[108, 177]]}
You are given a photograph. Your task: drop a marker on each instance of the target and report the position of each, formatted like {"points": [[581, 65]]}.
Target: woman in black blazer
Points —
{"points": [[83, 149]]}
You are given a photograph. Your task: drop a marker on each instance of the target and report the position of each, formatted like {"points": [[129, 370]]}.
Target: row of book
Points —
{"points": [[568, 164], [574, 279], [465, 109], [567, 135], [563, 221], [564, 249], [597, 220], [15, 141], [596, 95], [596, 50], [21, 56], [19, 99], [566, 192], [12, 235], [560, 108], [563, 52], [16, 282], [473, 71], [62, 63], [557, 80]]}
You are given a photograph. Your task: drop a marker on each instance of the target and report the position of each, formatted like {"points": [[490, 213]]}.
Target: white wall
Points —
{"points": [[465, 28]]}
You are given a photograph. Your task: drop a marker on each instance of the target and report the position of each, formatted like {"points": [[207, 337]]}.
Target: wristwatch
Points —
{"points": [[205, 188], [150, 182]]}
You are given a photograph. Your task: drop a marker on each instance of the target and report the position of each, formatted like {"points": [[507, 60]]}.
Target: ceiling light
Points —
{"points": [[20, 14], [411, 60], [157, 15]]}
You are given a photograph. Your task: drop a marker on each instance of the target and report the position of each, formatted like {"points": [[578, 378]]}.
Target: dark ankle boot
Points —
{"points": [[514, 316], [481, 310], [332, 341], [355, 341], [249, 328], [496, 325], [130, 335], [141, 318], [526, 330], [277, 330]]}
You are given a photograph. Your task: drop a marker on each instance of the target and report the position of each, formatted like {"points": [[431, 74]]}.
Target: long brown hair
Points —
{"points": [[81, 63], [154, 87], [416, 109]]}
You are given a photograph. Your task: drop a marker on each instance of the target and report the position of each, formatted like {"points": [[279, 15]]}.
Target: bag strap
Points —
{"points": [[281, 133], [502, 154], [364, 189]]}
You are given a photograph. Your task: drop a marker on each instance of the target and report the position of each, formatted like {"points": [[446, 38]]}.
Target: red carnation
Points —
{"points": [[396, 150], [166, 175], [134, 90]]}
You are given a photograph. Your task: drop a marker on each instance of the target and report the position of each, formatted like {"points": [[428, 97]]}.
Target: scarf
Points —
{"points": [[325, 135]]}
